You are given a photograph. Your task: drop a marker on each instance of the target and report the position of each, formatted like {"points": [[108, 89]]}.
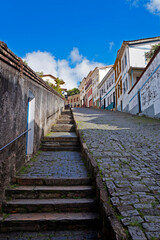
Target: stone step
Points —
{"points": [[63, 128], [49, 205], [23, 181], [76, 234], [65, 121], [48, 221], [66, 117], [60, 139], [60, 143], [60, 148], [40, 192], [66, 114]]}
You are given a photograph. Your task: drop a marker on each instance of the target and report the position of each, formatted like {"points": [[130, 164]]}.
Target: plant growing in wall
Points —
{"points": [[149, 55]]}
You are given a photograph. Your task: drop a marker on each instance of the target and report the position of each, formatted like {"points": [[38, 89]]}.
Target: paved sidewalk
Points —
{"points": [[56, 165], [127, 150]]}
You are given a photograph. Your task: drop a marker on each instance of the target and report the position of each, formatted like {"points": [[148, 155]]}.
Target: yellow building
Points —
{"points": [[73, 101], [118, 77]]}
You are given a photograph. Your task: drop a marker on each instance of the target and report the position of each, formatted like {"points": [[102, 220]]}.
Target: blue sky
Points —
{"points": [[75, 36]]}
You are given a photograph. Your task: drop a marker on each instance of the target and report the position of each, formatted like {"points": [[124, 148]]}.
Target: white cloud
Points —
{"points": [[111, 44], [154, 6], [45, 62], [42, 62], [75, 56]]}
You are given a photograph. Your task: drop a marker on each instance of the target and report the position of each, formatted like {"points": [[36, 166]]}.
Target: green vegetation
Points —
{"points": [[57, 85], [40, 74], [33, 159], [24, 169], [73, 91], [150, 54]]}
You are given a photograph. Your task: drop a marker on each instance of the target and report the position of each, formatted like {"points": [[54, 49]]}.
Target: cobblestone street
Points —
{"points": [[127, 151]]}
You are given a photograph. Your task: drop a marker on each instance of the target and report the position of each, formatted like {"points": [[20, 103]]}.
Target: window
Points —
{"points": [[125, 58], [126, 83], [123, 64], [124, 90], [111, 98]]}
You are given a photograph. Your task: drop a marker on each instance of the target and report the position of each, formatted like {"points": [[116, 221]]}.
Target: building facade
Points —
{"points": [[49, 78], [88, 90], [73, 101], [97, 76], [129, 65], [106, 90], [82, 92], [144, 96]]}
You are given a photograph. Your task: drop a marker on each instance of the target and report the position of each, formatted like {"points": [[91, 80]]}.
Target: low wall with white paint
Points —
{"points": [[148, 88]]}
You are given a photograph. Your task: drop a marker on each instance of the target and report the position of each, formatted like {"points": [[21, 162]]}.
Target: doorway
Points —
{"points": [[30, 123]]}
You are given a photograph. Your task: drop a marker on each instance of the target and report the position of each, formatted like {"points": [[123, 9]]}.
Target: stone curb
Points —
{"points": [[111, 227]]}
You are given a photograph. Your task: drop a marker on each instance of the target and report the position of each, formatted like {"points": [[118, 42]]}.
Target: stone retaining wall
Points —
{"points": [[16, 81]]}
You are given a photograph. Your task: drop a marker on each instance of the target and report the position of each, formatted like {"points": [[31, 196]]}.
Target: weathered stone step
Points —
{"points": [[60, 148], [23, 181], [39, 192], [75, 234], [63, 128], [65, 121], [49, 221], [60, 143], [66, 112], [50, 205], [60, 139], [66, 117]]}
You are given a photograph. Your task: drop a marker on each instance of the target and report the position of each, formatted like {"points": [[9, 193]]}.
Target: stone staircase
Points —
{"points": [[51, 204], [67, 140]]}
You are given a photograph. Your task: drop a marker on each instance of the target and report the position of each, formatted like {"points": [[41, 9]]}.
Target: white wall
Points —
{"points": [[149, 87]]}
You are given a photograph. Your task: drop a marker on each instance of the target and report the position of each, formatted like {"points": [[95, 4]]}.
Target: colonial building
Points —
{"points": [[97, 76], [88, 90], [82, 92], [73, 101], [49, 78], [144, 96], [128, 67], [106, 90]]}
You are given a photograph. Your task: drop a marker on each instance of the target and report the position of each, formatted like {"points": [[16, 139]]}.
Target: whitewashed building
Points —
{"points": [[129, 67], [49, 78], [82, 92], [106, 90], [144, 96], [97, 76]]}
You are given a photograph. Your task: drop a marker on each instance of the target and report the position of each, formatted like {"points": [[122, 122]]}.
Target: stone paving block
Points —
{"points": [[150, 212], [132, 220], [136, 233], [153, 235], [152, 227], [152, 219], [142, 206], [130, 213], [125, 208]]}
